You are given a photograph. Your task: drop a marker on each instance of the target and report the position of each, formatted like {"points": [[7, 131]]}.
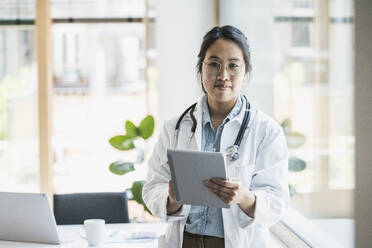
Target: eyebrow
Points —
{"points": [[216, 57]]}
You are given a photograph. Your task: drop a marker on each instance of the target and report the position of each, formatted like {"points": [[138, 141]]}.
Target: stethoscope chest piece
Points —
{"points": [[232, 152]]}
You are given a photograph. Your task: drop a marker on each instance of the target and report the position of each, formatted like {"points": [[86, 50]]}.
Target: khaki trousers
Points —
{"points": [[191, 240]]}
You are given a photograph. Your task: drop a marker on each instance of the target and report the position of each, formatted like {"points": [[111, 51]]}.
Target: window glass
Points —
{"points": [[97, 8], [20, 9], [99, 83], [19, 136], [313, 91]]}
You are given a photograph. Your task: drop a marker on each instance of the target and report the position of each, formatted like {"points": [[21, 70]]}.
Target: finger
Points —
{"points": [[225, 194], [228, 199], [170, 187], [217, 188], [225, 183]]}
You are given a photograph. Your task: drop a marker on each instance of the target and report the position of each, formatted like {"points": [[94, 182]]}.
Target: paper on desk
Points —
{"points": [[138, 233], [131, 236]]}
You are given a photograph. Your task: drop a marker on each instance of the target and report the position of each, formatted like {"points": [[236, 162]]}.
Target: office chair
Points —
{"points": [[75, 208]]}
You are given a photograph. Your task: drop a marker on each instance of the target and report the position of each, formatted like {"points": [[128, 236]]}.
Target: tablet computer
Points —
{"points": [[189, 169]]}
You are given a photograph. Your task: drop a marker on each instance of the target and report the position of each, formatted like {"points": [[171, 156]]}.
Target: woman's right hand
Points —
{"points": [[172, 205]]}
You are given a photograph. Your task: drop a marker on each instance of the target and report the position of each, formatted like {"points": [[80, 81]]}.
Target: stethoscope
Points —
{"points": [[231, 151]]}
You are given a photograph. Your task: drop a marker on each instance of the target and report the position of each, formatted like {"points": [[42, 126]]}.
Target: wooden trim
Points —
{"points": [[44, 55]]}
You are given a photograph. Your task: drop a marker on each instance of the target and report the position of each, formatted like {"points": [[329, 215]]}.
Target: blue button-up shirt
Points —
{"points": [[205, 220]]}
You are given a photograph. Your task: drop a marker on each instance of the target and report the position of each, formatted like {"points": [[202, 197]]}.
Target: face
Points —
{"points": [[226, 58]]}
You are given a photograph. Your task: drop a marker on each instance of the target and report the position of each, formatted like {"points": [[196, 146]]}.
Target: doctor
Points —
{"points": [[257, 165]]}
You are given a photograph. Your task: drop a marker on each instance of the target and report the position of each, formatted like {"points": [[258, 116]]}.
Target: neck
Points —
{"points": [[220, 110]]}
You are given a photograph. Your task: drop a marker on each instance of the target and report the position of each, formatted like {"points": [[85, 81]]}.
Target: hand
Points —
{"points": [[233, 192], [230, 192], [172, 205]]}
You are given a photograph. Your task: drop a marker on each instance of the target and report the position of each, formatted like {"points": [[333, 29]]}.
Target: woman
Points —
{"points": [[258, 193]]}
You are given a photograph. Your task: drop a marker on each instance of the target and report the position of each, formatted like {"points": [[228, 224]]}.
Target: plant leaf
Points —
{"points": [[131, 129], [286, 125], [121, 167], [295, 140], [121, 142], [137, 187], [296, 164], [146, 127]]}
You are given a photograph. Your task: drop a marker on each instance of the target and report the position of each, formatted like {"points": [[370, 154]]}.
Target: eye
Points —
{"points": [[234, 66], [213, 64]]}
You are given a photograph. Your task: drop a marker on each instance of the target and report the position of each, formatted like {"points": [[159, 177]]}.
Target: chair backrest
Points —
{"points": [[75, 208]]}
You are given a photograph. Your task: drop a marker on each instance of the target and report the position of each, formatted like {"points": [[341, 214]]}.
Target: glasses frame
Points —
{"points": [[219, 71]]}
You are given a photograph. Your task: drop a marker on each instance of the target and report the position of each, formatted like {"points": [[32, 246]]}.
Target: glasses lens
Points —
{"points": [[234, 69], [213, 67]]}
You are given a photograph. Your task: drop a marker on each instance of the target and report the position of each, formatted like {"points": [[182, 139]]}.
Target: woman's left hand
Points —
{"points": [[233, 192], [229, 191]]}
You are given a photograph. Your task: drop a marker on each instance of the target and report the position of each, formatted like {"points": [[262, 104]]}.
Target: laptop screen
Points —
{"points": [[27, 217]]}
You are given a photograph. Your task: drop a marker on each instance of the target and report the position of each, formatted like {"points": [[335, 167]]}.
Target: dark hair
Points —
{"points": [[227, 33]]}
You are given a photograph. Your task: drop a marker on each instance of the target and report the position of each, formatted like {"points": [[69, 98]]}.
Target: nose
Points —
{"points": [[223, 74]]}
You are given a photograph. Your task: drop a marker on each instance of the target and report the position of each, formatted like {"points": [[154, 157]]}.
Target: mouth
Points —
{"points": [[222, 87]]}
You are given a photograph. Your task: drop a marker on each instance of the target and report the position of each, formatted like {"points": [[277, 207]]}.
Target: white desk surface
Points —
{"points": [[82, 243]]}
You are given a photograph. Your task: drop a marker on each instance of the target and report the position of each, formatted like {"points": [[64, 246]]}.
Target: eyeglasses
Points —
{"points": [[214, 67]]}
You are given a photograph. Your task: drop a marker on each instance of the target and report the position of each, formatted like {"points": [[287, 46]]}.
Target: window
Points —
{"points": [[103, 55], [313, 88], [120, 52], [99, 59], [19, 134]]}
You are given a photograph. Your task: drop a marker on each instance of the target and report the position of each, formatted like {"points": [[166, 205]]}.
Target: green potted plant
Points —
{"points": [[128, 142], [294, 140]]}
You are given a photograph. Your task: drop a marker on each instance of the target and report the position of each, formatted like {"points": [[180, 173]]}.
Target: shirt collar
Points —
{"points": [[233, 113]]}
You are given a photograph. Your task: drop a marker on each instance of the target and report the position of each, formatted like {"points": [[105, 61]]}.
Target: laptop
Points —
{"points": [[27, 217]]}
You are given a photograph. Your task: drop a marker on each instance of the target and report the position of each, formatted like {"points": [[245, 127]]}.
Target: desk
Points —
{"points": [[82, 243]]}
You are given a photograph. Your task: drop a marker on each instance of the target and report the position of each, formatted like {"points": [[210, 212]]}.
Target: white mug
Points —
{"points": [[95, 231]]}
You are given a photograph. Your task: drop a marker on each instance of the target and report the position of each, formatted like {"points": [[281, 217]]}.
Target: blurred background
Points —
{"points": [[118, 60]]}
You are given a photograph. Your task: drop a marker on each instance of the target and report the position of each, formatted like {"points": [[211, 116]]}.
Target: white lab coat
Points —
{"points": [[262, 167]]}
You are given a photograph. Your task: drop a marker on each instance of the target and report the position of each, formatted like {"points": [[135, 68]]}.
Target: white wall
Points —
{"points": [[255, 20], [363, 123], [181, 26]]}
